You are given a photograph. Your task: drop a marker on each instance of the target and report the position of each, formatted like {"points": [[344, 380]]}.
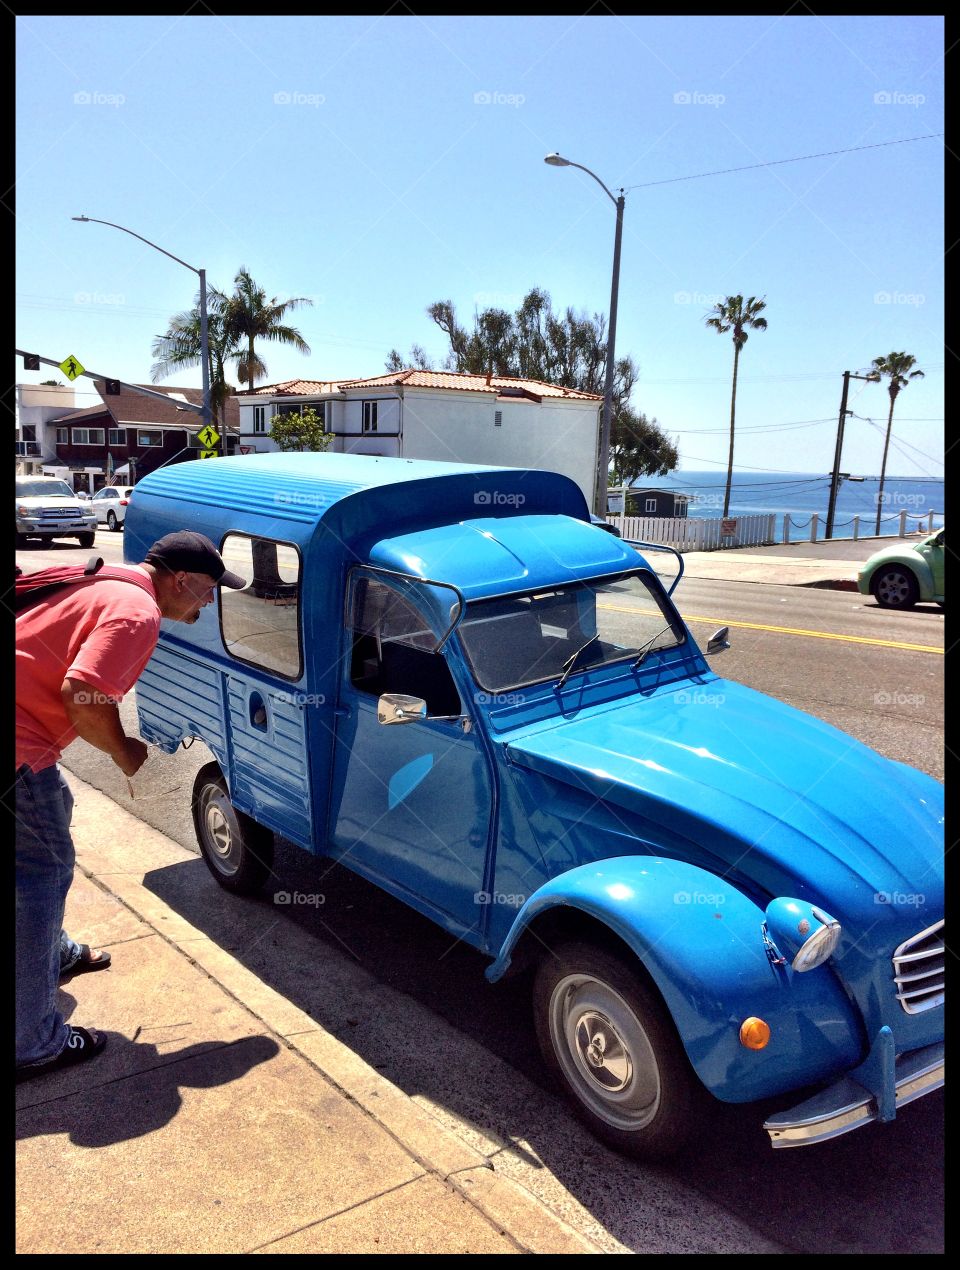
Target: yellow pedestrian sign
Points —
{"points": [[71, 367], [208, 436], [209, 454]]}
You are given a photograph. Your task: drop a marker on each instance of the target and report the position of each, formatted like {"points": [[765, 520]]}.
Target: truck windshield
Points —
{"points": [[558, 631], [36, 489]]}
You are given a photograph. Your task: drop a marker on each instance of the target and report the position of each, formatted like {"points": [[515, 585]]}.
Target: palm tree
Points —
{"points": [[179, 349], [733, 314], [251, 316], [898, 367]]}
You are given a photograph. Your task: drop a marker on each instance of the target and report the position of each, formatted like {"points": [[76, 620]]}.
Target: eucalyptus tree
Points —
{"points": [[732, 314]]}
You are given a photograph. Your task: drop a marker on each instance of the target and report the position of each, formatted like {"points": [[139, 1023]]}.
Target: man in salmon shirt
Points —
{"points": [[78, 651]]}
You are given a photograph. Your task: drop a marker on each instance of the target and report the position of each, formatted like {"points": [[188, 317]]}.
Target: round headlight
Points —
{"points": [[804, 934]]}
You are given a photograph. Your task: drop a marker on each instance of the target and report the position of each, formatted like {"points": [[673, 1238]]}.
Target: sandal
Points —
{"points": [[86, 962], [81, 1045]]}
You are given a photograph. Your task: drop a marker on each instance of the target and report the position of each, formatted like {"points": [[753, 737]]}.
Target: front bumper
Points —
{"points": [[847, 1104]]}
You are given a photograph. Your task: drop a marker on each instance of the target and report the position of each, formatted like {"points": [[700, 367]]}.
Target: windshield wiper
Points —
{"points": [[646, 647], [571, 661]]}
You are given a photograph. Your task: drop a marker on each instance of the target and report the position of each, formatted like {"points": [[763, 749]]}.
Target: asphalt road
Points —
{"points": [[466, 1050]]}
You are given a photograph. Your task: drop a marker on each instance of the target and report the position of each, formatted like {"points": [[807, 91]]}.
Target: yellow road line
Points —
{"points": [[793, 630]]}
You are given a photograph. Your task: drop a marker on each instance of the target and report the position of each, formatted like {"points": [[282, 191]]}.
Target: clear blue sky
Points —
{"points": [[376, 164]]}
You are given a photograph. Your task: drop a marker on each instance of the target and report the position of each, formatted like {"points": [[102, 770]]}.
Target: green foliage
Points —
{"points": [[732, 314], [899, 369], [250, 316], [300, 431], [568, 349]]}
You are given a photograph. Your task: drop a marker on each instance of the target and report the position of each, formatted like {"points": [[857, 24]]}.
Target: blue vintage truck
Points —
{"points": [[448, 679]]}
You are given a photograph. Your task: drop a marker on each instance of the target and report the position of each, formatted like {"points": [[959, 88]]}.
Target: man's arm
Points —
{"points": [[96, 718]]}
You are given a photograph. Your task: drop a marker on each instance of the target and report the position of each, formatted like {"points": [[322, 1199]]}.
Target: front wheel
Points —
{"points": [[895, 587], [22, 540], [237, 850], [609, 1042], [87, 540]]}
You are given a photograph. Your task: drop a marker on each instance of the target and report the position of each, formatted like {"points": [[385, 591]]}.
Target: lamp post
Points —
{"points": [[202, 274], [836, 477], [558, 161]]}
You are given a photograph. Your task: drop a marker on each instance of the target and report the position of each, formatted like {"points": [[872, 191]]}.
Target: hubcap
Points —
{"points": [[218, 835], [605, 1052], [894, 588]]}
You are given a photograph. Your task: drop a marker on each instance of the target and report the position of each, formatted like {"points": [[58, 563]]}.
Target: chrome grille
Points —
{"points": [[918, 970], [58, 513]]}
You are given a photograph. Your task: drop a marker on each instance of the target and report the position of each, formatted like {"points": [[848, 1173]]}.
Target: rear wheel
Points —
{"points": [[237, 850], [610, 1044], [895, 587], [112, 521]]}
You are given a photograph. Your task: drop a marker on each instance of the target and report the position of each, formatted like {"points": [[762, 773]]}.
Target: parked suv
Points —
{"points": [[110, 505], [48, 508]]}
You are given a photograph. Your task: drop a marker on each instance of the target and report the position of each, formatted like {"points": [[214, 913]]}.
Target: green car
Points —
{"points": [[899, 575]]}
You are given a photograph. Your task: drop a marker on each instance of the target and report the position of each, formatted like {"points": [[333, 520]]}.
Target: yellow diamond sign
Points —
{"points": [[208, 436], [71, 367]]}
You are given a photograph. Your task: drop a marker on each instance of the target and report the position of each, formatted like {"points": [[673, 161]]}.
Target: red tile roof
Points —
{"points": [[498, 385]]}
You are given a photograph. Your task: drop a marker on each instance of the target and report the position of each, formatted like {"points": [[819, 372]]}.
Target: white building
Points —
{"points": [[37, 404], [457, 418]]}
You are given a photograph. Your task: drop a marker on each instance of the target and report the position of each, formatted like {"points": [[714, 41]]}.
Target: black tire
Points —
{"points": [[895, 587], [87, 540], [22, 541], [237, 850], [610, 1044], [112, 523]]}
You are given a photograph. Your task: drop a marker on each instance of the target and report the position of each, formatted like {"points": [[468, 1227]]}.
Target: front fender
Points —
{"points": [[700, 940]]}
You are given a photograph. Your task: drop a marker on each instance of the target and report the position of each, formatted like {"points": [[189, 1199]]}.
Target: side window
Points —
{"points": [[261, 624], [392, 648]]}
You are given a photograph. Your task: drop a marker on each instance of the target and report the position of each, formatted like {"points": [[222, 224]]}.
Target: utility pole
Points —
{"points": [[872, 378]]}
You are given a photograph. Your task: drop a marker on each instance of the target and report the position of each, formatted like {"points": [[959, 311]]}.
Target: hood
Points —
{"points": [[747, 786], [50, 500]]}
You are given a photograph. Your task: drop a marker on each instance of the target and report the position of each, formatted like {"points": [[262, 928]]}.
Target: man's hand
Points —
{"points": [[95, 717], [133, 757]]}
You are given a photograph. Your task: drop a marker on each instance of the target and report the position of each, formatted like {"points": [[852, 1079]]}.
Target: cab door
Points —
{"points": [[412, 803]]}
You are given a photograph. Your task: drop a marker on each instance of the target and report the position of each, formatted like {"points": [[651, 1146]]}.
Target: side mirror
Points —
{"points": [[718, 641], [397, 707]]}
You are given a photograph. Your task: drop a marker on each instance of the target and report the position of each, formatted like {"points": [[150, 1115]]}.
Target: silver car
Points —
{"points": [[48, 508]]}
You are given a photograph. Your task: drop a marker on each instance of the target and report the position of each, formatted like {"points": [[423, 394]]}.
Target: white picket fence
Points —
{"points": [[693, 534]]}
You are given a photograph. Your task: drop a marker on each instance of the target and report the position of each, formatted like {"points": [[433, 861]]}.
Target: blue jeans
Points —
{"points": [[45, 859]]}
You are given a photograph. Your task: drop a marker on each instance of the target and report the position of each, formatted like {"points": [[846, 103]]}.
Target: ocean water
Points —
{"points": [[802, 494]]}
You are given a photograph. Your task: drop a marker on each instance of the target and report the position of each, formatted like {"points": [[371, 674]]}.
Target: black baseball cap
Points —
{"points": [[193, 553]]}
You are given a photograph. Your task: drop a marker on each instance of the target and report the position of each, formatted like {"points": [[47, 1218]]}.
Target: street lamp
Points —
{"points": [[872, 378], [202, 274], [558, 161]]}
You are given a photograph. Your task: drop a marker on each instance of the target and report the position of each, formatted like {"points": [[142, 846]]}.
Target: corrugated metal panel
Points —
{"points": [[179, 697], [270, 770]]}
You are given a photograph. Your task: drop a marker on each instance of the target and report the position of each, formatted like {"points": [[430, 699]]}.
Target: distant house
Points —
{"points": [[125, 437], [654, 501], [444, 415]]}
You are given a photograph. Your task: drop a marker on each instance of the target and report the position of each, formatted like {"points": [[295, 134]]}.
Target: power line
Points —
{"points": [[772, 163]]}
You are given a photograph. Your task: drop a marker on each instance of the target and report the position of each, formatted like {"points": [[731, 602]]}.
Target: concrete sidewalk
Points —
{"points": [[833, 564], [221, 1117]]}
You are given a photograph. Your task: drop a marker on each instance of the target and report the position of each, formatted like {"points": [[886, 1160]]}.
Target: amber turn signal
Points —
{"points": [[754, 1033]]}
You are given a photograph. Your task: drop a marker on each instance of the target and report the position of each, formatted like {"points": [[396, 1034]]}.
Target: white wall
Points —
{"points": [[459, 427]]}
